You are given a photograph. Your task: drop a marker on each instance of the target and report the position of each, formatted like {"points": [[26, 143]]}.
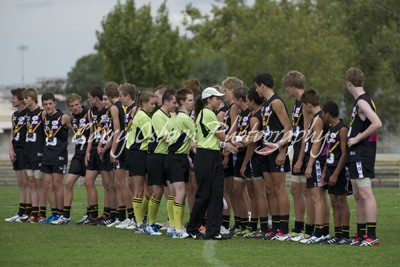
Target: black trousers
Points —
{"points": [[209, 195]]}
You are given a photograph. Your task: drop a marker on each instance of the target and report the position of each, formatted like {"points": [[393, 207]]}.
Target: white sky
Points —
{"points": [[58, 32]]}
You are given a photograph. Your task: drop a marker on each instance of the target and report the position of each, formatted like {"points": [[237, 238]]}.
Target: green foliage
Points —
{"points": [[141, 50], [209, 71], [86, 72]]}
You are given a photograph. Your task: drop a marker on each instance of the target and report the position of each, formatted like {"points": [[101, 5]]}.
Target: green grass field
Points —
{"points": [[34, 245]]}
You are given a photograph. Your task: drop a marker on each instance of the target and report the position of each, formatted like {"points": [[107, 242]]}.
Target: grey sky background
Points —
{"points": [[58, 32]]}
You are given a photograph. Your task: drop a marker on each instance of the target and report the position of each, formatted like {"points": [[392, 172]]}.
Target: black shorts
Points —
{"points": [[121, 164], [238, 165], [34, 165], [228, 172], [316, 173], [270, 166], [256, 164], [20, 163], [156, 173], [360, 169], [77, 165], [342, 184], [96, 164], [58, 168], [177, 168], [136, 164]]}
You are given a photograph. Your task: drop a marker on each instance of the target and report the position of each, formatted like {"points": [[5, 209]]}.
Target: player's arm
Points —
{"points": [[89, 142], [316, 145], [250, 148], [117, 132], [366, 110], [10, 146], [343, 157], [66, 121], [234, 114], [283, 117], [297, 167]]}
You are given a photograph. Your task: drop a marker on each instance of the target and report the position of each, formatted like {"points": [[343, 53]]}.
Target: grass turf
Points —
{"points": [[34, 245]]}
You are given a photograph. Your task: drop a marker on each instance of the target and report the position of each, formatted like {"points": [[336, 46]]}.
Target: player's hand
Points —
{"points": [[225, 161], [87, 157], [243, 170], [322, 179], [231, 148], [308, 172], [333, 180], [280, 159], [353, 141], [297, 166], [113, 160], [12, 155]]}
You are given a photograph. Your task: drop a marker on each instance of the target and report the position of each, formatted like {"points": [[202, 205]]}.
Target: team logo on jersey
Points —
{"points": [[35, 118]]}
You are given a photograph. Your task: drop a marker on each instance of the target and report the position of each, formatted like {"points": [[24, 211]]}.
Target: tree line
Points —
{"points": [[320, 38]]}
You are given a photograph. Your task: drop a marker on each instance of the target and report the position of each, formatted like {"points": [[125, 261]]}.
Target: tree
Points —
{"points": [[140, 50], [86, 72]]}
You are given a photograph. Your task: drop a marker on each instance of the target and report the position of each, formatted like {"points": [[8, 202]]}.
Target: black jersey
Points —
{"points": [[297, 126], [35, 137], [243, 124], [259, 117], [128, 117], [123, 124], [311, 138], [272, 127], [81, 130], [19, 120], [333, 144], [96, 116], [55, 149], [107, 127], [228, 119], [365, 150]]}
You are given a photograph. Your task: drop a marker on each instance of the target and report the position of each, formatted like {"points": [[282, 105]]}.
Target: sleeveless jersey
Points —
{"points": [[312, 138], [81, 130], [55, 149], [333, 144], [272, 127], [19, 120], [297, 126], [243, 124], [95, 117], [365, 150], [35, 137], [228, 119]]}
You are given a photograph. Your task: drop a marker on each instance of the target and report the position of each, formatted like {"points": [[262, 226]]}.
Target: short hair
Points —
{"points": [[264, 78], [18, 93], [181, 95], [111, 90], [232, 83], [128, 89], [32, 93], [168, 95], [162, 88], [253, 95], [144, 97], [48, 96], [219, 88], [73, 97], [193, 85], [240, 93], [310, 97], [294, 78], [96, 91], [331, 108], [355, 76]]}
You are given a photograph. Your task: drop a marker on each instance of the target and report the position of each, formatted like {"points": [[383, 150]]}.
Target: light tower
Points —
{"points": [[22, 48]]}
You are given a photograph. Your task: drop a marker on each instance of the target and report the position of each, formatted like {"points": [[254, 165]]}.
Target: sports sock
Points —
{"points": [[319, 230], [121, 213], [178, 214], [338, 231], [264, 224], [67, 211], [154, 204], [171, 212], [113, 213], [88, 210], [275, 223], [326, 229], [244, 222], [130, 213], [137, 207], [310, 229], [298, 226], [284, 224], [42, 211], [226, 221], [106, 212], [59, 212], [21, 209], [28, 209], [95, 211], [371, 230], [361, 227], [253, 224], [345, 231], [145, 205], [237, 221], [53, 212]]}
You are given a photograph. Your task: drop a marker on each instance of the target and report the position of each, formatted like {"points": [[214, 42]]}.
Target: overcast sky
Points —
{"points": [[57, 33]]}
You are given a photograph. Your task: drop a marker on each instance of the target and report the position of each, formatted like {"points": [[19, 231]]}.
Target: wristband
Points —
{"points": [[222, 145], [238, 139]]}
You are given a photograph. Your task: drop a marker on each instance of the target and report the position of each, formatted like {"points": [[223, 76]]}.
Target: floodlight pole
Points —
{"points": [[22, 48]]}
